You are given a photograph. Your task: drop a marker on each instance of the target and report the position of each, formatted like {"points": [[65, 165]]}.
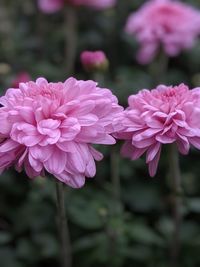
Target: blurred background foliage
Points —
{"points": [[113, 225]]}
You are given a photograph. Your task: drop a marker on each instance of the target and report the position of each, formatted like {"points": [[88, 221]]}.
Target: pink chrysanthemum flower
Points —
{"points": [[52, 126], [166, 24], [94, 60], [161, 116], [51, 6]]}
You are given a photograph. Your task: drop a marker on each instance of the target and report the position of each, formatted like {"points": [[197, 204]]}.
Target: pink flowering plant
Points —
{"points": [[164, 115], [168, 25], [50, 127], [56, 133]]}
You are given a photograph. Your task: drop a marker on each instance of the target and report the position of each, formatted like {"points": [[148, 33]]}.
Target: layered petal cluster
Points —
{"points": [[52, 126], [51, 6], [163, 24], [163, 115]]}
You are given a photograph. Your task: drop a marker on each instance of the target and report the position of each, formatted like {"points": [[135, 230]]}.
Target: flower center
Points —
{"points": [[169, 93], [45, 92]]}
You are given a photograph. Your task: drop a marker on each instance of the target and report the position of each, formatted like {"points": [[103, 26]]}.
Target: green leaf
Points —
{"points": [[144, 234]]}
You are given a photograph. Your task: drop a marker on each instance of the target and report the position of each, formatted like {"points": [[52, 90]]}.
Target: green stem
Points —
{"points": [[158, 68], [115, 173], [114, 154], [99, 77], [177, 204], [66, 257], [70, 28]]}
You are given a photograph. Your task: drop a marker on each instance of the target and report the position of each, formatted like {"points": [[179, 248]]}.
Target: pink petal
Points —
{"points": [[8, 146], [87, 120], [195, 141], [75, 181], [35, 164], [84, 108], [152, 152], [67, 146], [96, 154], [21, 161], [90, 168], [106, 140], [77, 162], [69, 129], [31, 173], [27, 114], [56, 163], [153, 165], [5, 124], [127, 149], [146, 134], [143, 143], [41, 153], [183, 144], [137, 153], [46, 126], [26, 134], [164, 139]]}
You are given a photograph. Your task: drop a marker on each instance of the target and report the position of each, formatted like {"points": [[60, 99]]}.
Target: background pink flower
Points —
{"points": [[94, 60], [51, 6], [51, 126], [162, 116], [96, 4], [168, 24]]}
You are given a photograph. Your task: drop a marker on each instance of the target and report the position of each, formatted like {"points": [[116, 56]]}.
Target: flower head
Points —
{"points": [[22, 77], [52, 126], [161, 116], [166, 24], [94, 61], [51, 6]]}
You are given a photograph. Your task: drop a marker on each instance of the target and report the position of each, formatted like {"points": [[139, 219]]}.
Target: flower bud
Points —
{"points": [[21, 77], [94, 61]]}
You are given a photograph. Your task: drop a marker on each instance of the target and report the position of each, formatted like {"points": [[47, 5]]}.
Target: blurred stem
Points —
{"points": [[177, 203], [116, 209], [115, 173], [158, 68], [114, 157], [99, 77], [70, 28], [66, 257], [120, 13]]}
